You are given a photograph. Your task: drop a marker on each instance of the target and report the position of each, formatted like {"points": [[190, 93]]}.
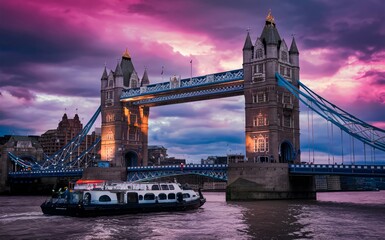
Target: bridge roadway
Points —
{"points": [[215, 171]]}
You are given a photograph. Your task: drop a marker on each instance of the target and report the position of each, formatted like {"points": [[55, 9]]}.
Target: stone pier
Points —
{"points": [[266, 181]]}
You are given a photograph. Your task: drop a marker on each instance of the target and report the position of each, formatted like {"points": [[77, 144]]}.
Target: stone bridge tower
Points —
{"points": [[124, 125], [272, 112], [272, 123]]}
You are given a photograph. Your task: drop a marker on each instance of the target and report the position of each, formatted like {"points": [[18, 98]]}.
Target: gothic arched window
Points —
{"points": [[259, 53]]}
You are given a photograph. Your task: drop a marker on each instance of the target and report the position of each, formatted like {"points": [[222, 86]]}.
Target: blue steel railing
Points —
{"points": [[178, 167], [337, 169], [47, 173]]}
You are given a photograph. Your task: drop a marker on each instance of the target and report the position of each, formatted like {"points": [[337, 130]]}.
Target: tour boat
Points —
{"points": [[100, 198]]}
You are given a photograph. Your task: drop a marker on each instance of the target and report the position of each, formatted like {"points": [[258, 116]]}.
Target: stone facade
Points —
{"points": [[54, 139], [124, 125], [271, 112]]}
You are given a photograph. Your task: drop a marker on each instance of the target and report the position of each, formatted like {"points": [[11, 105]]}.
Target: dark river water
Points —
{"points": [[339, 215]]}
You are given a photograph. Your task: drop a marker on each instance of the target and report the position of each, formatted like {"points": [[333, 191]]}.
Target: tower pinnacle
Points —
{"points": [[270, 18], [126, 54]]}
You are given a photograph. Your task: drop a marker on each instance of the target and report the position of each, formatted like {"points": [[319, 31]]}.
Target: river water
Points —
{"points": [[338, 215]]}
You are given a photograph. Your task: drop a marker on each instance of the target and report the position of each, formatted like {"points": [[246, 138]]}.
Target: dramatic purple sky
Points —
{"points": [[52, 55]]}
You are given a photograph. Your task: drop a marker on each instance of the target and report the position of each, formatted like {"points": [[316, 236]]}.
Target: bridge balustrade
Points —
{"points": [[336, 169]]}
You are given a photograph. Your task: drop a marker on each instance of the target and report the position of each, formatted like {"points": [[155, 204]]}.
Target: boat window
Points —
{"points": [[104, 198], [162, 196], [149, 196], [132, 197], [164, 187], [171, 196], [186, 195], [155, 187], [171, 187], [140, 197]]}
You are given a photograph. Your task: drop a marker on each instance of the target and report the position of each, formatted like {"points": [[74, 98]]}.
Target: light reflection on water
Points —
{"points": [[339, 215]]}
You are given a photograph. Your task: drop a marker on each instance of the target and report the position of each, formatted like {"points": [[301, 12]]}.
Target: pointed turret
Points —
{"points": [[104, 78], [118, 70], [247, 49], [119, 82], [104, 75], [294, 59], [293, 47], [145, 80], [248, 44]]}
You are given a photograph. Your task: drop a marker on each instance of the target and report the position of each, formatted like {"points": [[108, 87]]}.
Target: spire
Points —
{"points": [[293, 47], [126, 54], [104, 75], [248, 45], [145, 80], [270, 33], [118, 70], [270, 18]]}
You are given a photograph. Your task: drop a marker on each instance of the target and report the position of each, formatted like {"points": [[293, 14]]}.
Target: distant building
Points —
{"points": [[54, 139], [173, 161], [214, 160], [235, 158], [157, 156]]}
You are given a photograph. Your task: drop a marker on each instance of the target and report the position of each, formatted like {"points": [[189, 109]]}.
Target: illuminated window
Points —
{"points": [[260, 120], [110, 135], [261, 144], [110, 117]]}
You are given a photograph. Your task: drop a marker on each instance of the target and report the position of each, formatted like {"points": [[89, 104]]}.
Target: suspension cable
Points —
{"points": [[327, 129], [354, 155], [342, 147], [312, 131], [308, 130], [332, 140]]}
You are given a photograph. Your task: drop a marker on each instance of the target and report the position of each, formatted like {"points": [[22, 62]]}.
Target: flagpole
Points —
{"points": [[191, 69], [162, 72]]}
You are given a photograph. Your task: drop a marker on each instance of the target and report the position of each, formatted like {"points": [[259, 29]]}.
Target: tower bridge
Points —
{"points": [[269, 82], [271, 111]]}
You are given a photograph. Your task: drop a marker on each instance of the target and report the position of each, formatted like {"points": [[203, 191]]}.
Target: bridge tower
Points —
{"points": [[272, 123], [124, 125], [272, 112]]}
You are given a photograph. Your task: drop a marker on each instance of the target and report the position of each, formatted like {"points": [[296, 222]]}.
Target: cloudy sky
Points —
{"points": [[52, 55]]}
